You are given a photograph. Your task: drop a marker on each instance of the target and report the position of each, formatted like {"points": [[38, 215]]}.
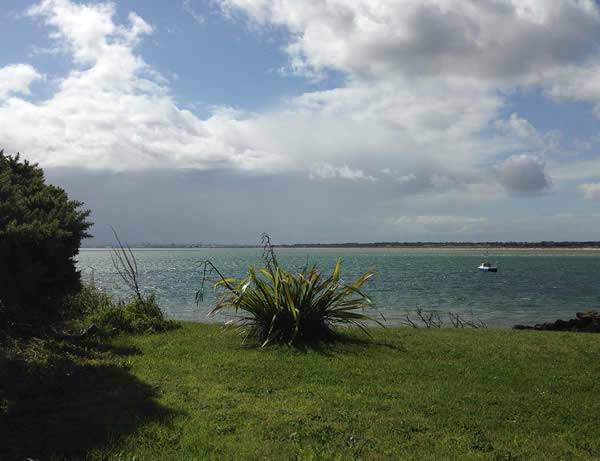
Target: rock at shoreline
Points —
{"points": [[583, 321]]}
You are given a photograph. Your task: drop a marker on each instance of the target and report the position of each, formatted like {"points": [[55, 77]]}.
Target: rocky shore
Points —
{"points": [[584, 321]]}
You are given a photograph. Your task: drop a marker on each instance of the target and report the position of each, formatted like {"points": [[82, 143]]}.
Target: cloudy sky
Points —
{"points": [[316, 120]]}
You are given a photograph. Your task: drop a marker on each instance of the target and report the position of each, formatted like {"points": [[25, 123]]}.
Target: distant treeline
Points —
{"points": [[484, 245], [544, 244]]}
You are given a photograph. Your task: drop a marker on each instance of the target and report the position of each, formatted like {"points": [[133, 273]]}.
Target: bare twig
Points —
{"points": [[407, 321], [207, 269], [429, 318], [475, 322], [433, 319], [456, 320]]}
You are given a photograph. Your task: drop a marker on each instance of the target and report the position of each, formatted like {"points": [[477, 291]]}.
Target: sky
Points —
{"points": [[185, 121]]}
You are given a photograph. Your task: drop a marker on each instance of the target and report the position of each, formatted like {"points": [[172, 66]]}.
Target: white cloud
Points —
{"points": [[189, 8], [113, 110], [524, 174], [439, 134], [590, 191], [490, 39], [575, 83], [88, 31], [518, 126], [436, 73], [326, 171], [406, 178], [421, 125], [17, 78]]}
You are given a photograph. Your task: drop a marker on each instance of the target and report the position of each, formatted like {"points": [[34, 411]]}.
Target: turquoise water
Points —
{"points": [[531, 286]]}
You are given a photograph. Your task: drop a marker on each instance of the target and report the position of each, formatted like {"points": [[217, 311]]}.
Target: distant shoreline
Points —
{"points": [[572, 246]]}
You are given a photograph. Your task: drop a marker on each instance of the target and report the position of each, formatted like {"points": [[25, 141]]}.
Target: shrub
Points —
{"points": [[132, 316], [86, 302], [40, 234], [287, 307], [139, 314], [113, 317]]}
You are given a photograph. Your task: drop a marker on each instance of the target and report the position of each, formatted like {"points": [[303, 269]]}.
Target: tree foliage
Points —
{"points": [[40, 233]]}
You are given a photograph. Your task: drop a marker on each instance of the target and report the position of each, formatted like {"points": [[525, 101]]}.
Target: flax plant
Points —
{"points": [[276, 305]]}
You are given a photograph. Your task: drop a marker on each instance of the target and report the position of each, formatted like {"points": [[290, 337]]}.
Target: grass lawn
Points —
{"points": [[197, 393]]}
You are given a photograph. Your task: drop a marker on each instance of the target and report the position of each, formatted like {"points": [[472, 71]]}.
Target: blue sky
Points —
{"points": [[214, 62], [316, 120]]}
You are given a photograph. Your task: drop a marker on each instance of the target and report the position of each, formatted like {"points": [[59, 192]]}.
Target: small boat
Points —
{"points": [[487, 267]]}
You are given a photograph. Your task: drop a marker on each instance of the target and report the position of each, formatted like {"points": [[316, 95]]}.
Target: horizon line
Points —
{"points": [[386, 244]]}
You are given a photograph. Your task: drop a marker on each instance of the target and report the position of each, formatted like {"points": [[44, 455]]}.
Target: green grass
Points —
{"points": [[197, 393]]}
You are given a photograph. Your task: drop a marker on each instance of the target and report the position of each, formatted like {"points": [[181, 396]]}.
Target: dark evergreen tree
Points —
{"points": [[40, 234]]}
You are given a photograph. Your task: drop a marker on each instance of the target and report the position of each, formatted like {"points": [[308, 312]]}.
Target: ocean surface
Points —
{"points": [[529, 287]]}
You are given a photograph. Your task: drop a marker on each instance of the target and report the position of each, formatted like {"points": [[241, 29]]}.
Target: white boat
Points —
{"points": [[487, 267]]}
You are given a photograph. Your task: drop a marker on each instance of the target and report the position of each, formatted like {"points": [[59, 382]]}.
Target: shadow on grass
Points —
{"points": [[114, 349], [330, 345], [344, 343], [65, 407]]}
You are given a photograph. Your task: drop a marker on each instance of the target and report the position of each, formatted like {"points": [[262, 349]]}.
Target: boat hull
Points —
{"points": [[488, 269]]}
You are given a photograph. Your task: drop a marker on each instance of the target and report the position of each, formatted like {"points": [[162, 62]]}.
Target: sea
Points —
{"points": [[531, 286]]}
